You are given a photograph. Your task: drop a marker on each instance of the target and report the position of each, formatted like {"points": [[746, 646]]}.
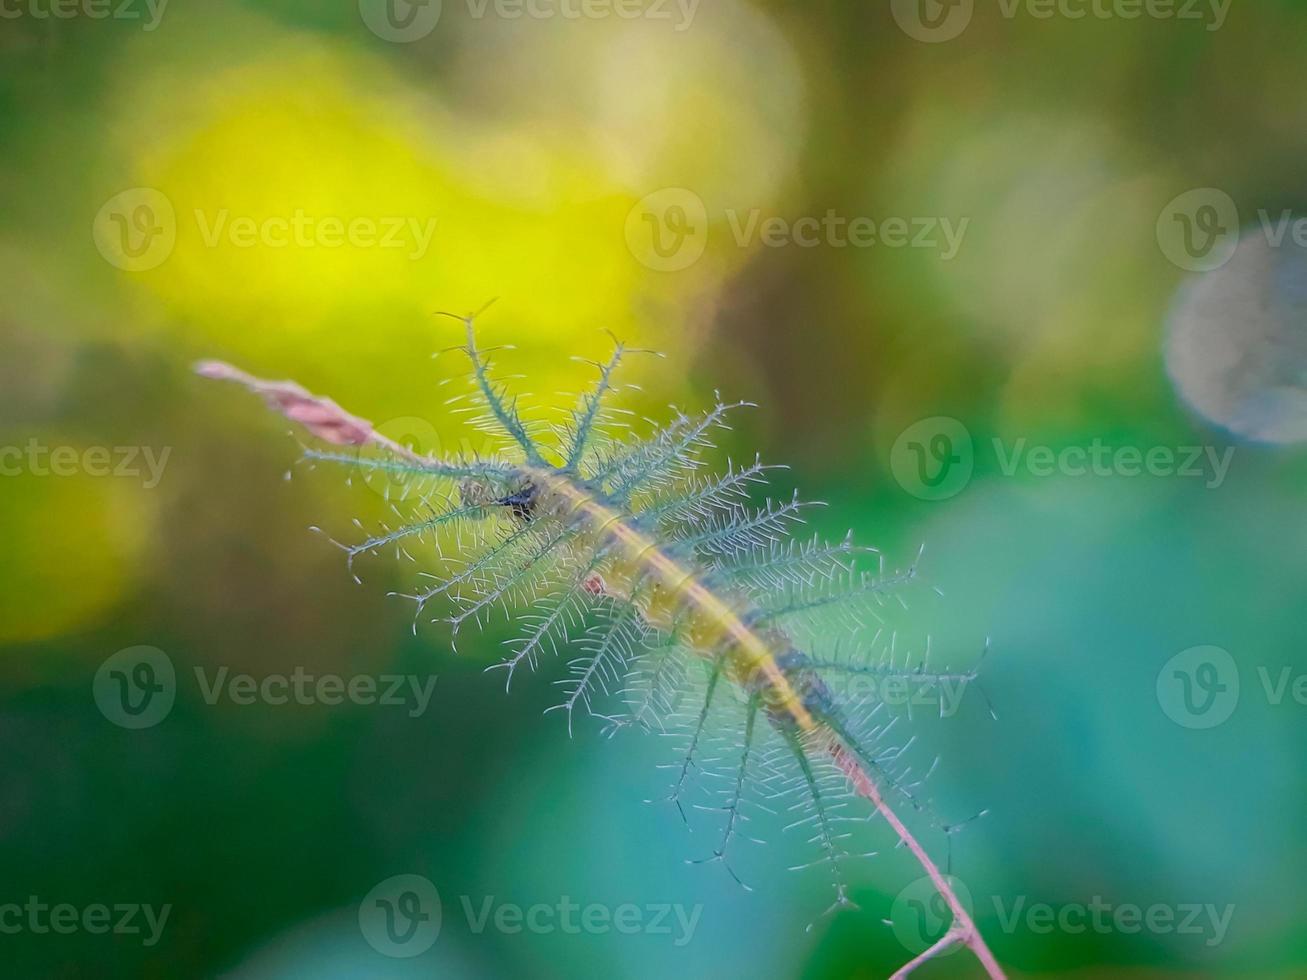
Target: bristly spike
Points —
{"points": [[588, 414], [505, 414]]}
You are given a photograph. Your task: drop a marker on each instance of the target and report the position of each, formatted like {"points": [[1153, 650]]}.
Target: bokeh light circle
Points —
{"points": [[1236, 342]]}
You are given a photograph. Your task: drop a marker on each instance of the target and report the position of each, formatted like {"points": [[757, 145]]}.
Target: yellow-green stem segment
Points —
{"points": [[680, 586]]}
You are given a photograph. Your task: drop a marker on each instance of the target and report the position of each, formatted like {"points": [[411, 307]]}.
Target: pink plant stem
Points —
{"points": [[964, 929], [946, 942]]}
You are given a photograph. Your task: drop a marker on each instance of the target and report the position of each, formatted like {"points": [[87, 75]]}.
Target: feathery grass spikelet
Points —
{"points": [[679, 605]]}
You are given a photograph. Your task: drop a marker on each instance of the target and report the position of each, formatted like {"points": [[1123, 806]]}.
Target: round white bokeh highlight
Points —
{"points": [[1236, 340]]}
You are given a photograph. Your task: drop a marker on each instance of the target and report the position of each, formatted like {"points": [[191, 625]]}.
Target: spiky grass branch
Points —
{"points": [[779, 678], [963, 928]]}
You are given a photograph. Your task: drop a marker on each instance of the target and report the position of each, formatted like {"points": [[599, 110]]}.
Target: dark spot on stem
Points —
{"points": [[522, 502]]}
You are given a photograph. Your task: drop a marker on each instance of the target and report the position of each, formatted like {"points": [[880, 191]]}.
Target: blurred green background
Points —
{"points": [[614, 166]]}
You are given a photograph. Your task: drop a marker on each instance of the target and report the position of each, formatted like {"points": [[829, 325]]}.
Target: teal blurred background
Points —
{"points": [[619, 172]]}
